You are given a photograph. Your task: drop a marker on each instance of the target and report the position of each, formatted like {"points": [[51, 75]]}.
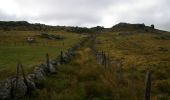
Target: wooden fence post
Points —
{"points": [[17, 75], [117, 70], [14, 87], [61, 57], [121, 70], [148, 85], [102, 58], [105, 60], [25, 80], [47, 61]]}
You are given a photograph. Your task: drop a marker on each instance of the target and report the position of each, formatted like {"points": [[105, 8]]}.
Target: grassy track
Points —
{"points": [[85, 79], [78, 80]]}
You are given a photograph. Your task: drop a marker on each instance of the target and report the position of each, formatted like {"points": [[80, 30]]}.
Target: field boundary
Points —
{"points": [[16, 87]]}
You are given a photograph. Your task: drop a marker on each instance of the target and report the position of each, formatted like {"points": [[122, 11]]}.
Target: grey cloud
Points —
{"points": [[6, 17], [155, 13], [69, 12], [93, 12]]}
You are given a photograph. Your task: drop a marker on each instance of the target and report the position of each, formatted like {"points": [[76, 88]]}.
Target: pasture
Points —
{"points": [[14, 47], [116, 72], [84, 78]]}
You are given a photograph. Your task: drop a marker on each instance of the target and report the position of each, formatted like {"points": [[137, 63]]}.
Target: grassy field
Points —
{"points": [[14, 47], [84, 78], [81, 79], [140, 52]]}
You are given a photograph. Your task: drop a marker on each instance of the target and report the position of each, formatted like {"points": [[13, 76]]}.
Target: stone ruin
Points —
{"points": [[128, 25], [152, 26]]}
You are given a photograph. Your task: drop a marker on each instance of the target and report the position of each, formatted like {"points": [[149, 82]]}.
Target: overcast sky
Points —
{"points": [[88, 12]]}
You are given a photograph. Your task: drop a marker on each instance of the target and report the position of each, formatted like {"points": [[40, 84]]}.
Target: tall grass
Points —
{"points": [[143, 51]]}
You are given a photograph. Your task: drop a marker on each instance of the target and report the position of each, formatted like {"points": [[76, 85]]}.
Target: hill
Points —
{"points": [[26, 26]]}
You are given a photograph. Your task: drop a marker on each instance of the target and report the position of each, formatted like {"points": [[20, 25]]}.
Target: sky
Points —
{"points": [[87, 13]]}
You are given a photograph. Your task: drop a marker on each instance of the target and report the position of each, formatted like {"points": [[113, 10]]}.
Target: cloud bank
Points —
{"points": [[88, 12]]}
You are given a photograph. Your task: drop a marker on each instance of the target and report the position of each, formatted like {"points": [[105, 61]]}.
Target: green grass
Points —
{"points": [[13, 48], [85, 79], [78, 80], [141, 51]]}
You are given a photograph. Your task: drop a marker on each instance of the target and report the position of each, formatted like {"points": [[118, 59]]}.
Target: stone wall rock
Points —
{"points": [[5, 90], [19, 88]]}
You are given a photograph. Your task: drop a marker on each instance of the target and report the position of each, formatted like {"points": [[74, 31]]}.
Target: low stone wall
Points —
{"points": [[101, 57], [17, 87]]}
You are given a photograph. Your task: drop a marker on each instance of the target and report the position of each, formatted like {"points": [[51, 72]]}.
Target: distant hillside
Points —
{"points": [[25, 26]]}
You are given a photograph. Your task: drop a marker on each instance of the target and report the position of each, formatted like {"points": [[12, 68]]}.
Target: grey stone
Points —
{"points": [[52, 69], [44, 69], [5, 90], [31, 82], [53, 62], [39, 73], [21, 89]]}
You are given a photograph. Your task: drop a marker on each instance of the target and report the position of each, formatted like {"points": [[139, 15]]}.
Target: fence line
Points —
{"points": [[17, 87], [106, 62]]}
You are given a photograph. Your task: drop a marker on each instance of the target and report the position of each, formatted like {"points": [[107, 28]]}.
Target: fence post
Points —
{"points": [[105, 60], [15, 86], [25, 80], [102, 58], [17, 76], [120, 70], [61, 57], [108, 60], [148, 85], [47, 61], [117, 70]]}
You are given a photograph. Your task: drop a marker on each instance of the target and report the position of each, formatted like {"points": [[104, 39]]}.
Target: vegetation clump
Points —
{"points": [[51, 36]]}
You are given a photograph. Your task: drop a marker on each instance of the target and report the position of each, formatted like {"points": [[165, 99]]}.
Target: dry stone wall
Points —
{"points": [[17, 87]]}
